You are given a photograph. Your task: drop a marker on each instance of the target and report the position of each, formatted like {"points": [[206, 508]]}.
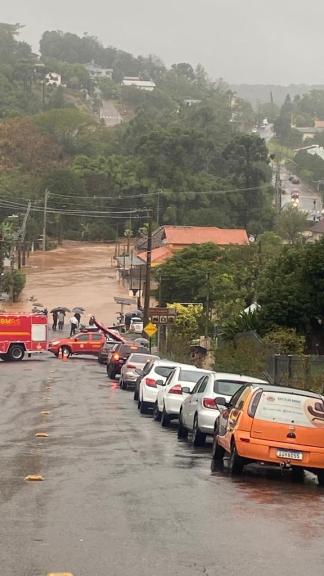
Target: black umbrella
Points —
{"points": [[78, 309], [60, 309]]}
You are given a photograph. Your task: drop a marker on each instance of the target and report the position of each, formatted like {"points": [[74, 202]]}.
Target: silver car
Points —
{"points": [[199, 409], [130, 370]]}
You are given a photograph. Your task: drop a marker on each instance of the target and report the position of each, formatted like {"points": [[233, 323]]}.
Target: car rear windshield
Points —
{"points": [[227, 387], [286, 408], [190, 375], [164, 370], [140, 358]]}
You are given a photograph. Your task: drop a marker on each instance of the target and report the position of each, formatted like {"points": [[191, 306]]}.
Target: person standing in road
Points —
{"points": [[55, 318], [60, 317], [74, 325], [77, 315]]}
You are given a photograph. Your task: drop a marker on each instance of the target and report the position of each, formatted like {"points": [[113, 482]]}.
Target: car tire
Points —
{"points": [[136, 395], [156, 413], [297, 474], [143, 407], [235, 462], [182, 431], [218, 452], [320, 477], [198, 437], [111, 372], [15, 353], [66, 351], [124, 385], [165, 419]]}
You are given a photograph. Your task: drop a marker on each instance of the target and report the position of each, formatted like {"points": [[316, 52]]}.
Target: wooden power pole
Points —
{"points": [[148, 270]]}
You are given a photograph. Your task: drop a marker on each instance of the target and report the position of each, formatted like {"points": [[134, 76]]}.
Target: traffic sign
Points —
{"points": [[160, 315], [150, 329]]}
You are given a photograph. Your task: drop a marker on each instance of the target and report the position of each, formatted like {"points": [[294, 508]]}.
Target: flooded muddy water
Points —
{"points": [[76, 274]]}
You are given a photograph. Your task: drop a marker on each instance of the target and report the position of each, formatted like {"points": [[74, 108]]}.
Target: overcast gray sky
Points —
{"points": [[253, 41]]}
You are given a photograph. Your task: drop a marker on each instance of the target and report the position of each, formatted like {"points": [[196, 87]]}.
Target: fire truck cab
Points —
{"points": [[22, 334]]}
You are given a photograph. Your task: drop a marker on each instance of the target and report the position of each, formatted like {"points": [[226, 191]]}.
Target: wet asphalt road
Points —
{"points": [[122, 496]]}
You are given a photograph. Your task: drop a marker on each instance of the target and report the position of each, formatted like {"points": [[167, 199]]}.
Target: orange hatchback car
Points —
{"points": [[271, 425]]}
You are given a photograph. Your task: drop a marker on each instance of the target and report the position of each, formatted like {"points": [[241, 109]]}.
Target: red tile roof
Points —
{"points": [[159, 255], [186, 235]]}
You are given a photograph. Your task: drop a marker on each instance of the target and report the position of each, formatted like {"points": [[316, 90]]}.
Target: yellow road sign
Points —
{"points": [[150, 329]]}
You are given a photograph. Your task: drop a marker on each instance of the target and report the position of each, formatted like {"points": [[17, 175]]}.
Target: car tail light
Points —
{"points": [[116, 357], [131, 366], [209, 403], [150, 382], [176, 389]]}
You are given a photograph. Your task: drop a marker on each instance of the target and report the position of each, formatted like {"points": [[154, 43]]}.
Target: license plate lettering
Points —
{"points": [[289, 455]]}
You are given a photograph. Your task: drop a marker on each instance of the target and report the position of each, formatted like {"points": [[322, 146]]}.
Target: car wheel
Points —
{"points": [[66, 351], [297, 474], [218, 452], [320, 477], [143, 407], [16, 352], [124, 385], [235, 462], [156, 413], [182, 431], [136, 395], [111, 372], [198, 437], [165, 419]]}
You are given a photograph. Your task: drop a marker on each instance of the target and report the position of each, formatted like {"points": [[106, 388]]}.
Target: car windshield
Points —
{"points": [[286, 408], [227, 387], [190, 375], [164, 371], [139, 358]]}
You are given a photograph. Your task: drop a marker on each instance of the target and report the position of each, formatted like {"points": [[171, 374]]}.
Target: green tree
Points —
{"points": [[291, 223]]}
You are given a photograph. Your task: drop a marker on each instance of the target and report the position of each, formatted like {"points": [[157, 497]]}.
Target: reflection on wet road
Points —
{"points": [[122, 496]]}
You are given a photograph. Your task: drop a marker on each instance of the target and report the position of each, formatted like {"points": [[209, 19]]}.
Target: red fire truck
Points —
{"points": [[22, 334]]}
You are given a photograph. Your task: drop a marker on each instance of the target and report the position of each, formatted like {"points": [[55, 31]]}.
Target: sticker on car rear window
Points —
{"points": [[288, 408]]}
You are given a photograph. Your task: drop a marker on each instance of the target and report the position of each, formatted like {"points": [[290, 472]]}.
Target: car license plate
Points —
{"points": [[289, 455]]}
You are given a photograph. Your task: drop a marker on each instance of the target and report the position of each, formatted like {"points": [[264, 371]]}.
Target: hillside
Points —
{"points": [[184, 151]]}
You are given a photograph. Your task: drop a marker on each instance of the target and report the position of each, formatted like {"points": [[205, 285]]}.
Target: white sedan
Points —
{"points": [[153, 377], [176, 388], [199, 410]]}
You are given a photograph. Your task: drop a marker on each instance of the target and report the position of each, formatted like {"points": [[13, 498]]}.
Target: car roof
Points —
{"points": [[239, 377], [287, 390]]}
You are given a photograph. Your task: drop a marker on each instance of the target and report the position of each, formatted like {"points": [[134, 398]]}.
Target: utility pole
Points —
{"points": [[278, 187], [207, 304], [148, 270], [45, 220], [158, 208]]}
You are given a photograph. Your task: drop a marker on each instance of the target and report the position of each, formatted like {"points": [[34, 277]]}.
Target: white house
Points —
{"points": [[96, 72], [147, 85], [53, 79]]}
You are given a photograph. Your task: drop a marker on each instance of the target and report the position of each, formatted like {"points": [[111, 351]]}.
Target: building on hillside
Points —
{"points": [[53, 79], [96, 72], [147, 85], [314, 232], [310, 132], [167, 239]]}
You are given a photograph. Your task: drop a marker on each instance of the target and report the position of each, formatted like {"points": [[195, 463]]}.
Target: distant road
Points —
{"points": [[110, 114], [309, 199], [266, 133]]}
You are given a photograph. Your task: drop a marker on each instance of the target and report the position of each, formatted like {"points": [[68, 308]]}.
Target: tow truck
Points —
{"points": [[22, 334]]}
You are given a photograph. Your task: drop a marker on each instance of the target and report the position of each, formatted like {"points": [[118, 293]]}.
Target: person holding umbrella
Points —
{"points": [[78, 310], [60, 311], [55, 320]]}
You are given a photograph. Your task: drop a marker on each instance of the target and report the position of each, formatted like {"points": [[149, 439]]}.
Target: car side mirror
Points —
{"points": [[160, 383], [186, 390], [220, 401]]}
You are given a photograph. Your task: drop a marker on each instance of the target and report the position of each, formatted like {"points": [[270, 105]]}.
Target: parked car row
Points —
{"points": [[248, 419]]}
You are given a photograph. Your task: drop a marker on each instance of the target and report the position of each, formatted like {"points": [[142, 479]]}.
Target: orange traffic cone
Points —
{"points": [[60, 353], [65, 355]]}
